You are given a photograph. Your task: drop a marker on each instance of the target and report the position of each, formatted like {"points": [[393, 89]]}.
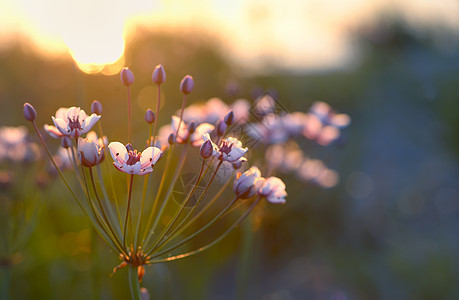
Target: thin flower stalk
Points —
{"points": [[203, 248], [163, 235]]}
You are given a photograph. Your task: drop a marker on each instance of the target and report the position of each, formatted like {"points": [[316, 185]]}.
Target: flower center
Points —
{"points": [[74, 123], [226, 147], [134, 157]]}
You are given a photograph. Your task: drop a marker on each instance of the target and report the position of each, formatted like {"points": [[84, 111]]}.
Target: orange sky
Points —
{"points": [[300, 34]]}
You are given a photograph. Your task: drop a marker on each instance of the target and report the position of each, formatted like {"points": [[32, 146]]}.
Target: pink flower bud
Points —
{"points": [[192, 127], [129, 147], [29, 112], [127, 77], [229, 118], [96, 107], [221, 128], [66, 142], [159, 75], [171, 139], [246, 185], [150, 116], [187, 84], [206, 150]]}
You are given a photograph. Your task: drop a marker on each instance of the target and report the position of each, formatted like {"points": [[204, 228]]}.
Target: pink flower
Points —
{"points": [[230, 150], [133, 162], [72, 122], [273, 189], [246, 184]]}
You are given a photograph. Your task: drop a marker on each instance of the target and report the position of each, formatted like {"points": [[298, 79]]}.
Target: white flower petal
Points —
{"points": [[118, 152], [62, 126], [150, 156], [89, 122]]}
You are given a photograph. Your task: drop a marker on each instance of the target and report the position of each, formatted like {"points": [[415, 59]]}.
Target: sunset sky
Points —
{"points": [[299, 34]]}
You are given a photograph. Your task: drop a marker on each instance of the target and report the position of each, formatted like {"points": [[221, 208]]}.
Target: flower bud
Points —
{"points": [[96, 107], [171, 139], [221, 128], [127, 77], [90, 153], [229, 118], [187, 84], [150, 116], [129, 147], [246, 185], [159, 75], [206, 150], [29, 112], [66, 142], [192, 127]]}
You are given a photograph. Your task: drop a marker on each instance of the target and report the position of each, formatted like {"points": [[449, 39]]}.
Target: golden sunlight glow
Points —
{"points": [[299, 34]]}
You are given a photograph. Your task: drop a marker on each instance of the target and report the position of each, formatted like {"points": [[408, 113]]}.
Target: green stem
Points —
{"points": [[129, 114], [112, 185], [102, 209], [127, 211], [134, 283], [203, 248], [5, 282], [168, 193], [158, 98], [158, 193], [245, 266], [183, 226], [222, 213], [160, 241]]}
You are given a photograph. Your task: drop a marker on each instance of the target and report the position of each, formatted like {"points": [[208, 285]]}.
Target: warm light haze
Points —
{"points": [[292, 34]]}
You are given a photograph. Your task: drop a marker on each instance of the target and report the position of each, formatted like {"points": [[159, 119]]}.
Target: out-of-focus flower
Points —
{"points": [[100, 141], [323, 124], [90, 151], [247, 184], [273, 189], [15, 145], [133, 162], [72, 122], [215, 109], [314, 170], [196, 137], [285, 157], [62, 159], [266, 105]]}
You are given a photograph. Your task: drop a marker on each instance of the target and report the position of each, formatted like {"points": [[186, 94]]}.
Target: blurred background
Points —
{"points": [[388, 230]]}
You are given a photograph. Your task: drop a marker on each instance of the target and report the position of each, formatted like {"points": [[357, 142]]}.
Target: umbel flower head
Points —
{"points": [[72, 122], [133, 162]]}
